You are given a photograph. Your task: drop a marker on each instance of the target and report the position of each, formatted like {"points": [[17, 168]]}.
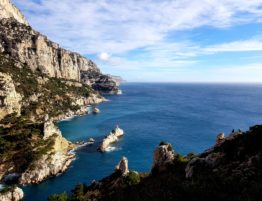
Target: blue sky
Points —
{"points": [[158, 40]]}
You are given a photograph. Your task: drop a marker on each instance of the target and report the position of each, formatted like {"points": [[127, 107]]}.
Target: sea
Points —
{"points": [[189, 116]]}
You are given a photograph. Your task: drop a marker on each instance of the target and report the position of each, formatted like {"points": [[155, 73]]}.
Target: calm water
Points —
{"points": [[187, 115]]}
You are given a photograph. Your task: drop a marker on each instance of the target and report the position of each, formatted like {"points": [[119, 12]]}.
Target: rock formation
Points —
{"points": [[96, 110], [112, 137], [21, 42], [220, 137], [10, 100], [163, 155], [14, 194], [8, 10], [122, 166]]}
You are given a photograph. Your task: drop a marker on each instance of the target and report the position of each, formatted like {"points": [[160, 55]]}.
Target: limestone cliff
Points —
{"points": [[14, 194], [8, 10], [10, 100]]}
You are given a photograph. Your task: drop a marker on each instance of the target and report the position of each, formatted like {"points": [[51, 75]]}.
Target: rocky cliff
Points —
{"points": [[19, 41], [230, 170], [38, 77], [8, 10], [12, 194]]}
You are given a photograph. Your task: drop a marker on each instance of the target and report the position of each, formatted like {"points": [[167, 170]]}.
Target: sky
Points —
{"points": [[158, 40]]}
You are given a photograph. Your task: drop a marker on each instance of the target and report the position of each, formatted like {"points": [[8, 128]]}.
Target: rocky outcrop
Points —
{"points": [[112, 137], [220, 137], [10, 100], [8, 10], [122, 166], [14, 194], [56, 161], [163, 155], [50, 128]]}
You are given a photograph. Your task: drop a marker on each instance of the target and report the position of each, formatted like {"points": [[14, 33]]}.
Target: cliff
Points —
{"points": [[39, 78], [8, 10], [19, 41], [230, 170], [11, 194]]}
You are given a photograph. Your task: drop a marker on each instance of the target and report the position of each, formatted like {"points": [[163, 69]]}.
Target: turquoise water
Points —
{"points": [[187, 115]]}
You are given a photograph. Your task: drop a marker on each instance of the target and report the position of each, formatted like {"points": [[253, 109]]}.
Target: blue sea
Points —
{"points": [[187, 115]]}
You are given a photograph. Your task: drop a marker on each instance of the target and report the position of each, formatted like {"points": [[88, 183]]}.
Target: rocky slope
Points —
{"points": [[38, 77], [230, 170], [12, 194]]}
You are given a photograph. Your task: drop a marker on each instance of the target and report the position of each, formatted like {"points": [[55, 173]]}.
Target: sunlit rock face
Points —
{"points": [[9, 98], [112, 137], [163, 155], [8, 10], [122, 166], [15, 194]]}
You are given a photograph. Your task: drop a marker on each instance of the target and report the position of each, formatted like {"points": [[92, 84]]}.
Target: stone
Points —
{"points": [[96, 110], [220, 137], [9, 10], [10, 99], [15, 194], [50, 129], [112, 137], [123, 166], [163, 155]]}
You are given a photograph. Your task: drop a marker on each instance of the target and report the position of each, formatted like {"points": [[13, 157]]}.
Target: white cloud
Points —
{"points": [[103, 56], [117, 26]]}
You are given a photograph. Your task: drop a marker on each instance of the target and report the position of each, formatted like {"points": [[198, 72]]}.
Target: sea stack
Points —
{"points": [[122, 166], [112, 137]]}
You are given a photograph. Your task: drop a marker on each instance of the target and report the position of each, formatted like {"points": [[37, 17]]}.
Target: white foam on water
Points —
{"points": [[112, 148]]}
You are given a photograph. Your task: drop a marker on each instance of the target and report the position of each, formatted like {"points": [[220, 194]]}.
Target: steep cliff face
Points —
{"points": [[21, 42], [10, 100], [8, 10]]}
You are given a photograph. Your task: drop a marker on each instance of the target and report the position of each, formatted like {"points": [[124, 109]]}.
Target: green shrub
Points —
{"points": [[132, 178], [58, 197]]}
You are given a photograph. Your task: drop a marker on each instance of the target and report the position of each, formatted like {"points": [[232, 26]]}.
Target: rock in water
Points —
{"points": [[96, 110], [163, 155], [123, 166], [14, 194], [112, 137]]}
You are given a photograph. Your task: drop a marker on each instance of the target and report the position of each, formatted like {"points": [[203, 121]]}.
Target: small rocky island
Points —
{"points": [[111, 138]]}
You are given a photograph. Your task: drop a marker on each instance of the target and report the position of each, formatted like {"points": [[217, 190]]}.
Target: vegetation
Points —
{"points": [[58, 197], [21, 140], [132, 178]]}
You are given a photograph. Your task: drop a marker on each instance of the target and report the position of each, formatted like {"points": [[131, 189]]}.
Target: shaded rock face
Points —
{"points": [[10, 100], [163, 155], [122, 166], [15, 194], [112, 137], [8, 10]]}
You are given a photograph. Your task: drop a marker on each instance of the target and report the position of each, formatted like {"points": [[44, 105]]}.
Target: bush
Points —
{"points": [[132, 178], [58, 197]]}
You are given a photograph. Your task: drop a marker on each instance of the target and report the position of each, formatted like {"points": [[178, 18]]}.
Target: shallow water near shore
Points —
{"points": [[187, 115]]}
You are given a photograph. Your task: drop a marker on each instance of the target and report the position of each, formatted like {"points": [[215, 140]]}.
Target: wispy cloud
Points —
{"points": [[114, 29]]}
